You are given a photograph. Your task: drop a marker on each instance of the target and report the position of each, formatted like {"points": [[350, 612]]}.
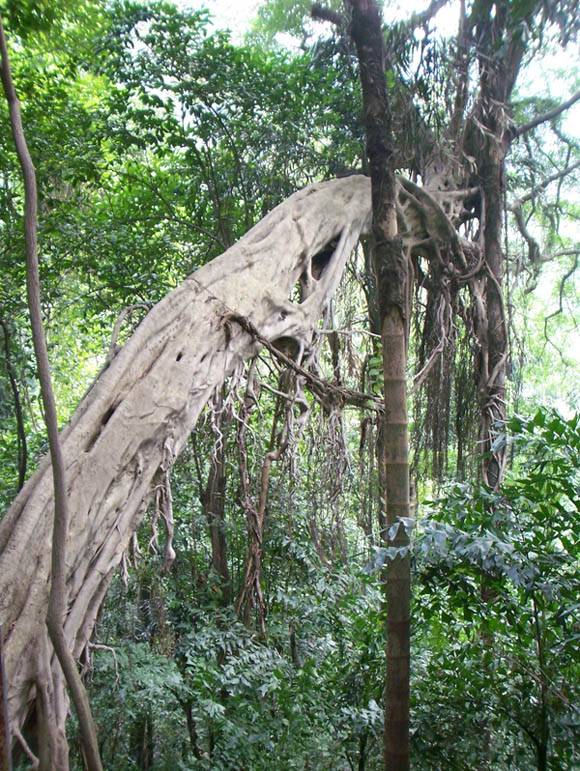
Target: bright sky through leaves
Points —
{"points": [[227, 14], [236, 15]]}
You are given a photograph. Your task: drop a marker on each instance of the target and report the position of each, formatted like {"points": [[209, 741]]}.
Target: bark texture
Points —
{"points": [[133, 422], [57, 600], [390, 264], [497, 78]]}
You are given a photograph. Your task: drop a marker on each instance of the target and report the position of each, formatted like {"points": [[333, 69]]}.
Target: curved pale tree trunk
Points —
{"points": [[133, 422]]}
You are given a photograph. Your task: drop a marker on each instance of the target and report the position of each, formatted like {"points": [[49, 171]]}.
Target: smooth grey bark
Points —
{"points": [[133, 422]]}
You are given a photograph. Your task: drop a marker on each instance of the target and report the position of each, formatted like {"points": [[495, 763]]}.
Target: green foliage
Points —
{"points": [[499, 571], [245, 127], [287, 17], [157, 144], [306, 695], [135, 689], [29, 18]]}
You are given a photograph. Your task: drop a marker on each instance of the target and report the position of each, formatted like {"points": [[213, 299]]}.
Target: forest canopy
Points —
{"points": [[240, 238]]}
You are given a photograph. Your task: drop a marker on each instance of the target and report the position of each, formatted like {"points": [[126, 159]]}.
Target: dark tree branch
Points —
{"points": [[329, 394], [533, 246], [320, 13], [550, 115], [557, 255], [420, 19], [58, 597]]}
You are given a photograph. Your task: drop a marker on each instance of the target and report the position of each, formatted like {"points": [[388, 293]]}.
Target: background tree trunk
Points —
{"points": [[488, 138], [213, 502]]}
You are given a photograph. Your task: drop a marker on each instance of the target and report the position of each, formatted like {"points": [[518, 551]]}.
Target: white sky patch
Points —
{"points": [[446, 20], [234, 15]]}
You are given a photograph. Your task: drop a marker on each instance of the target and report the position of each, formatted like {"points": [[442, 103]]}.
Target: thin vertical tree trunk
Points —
{"points": [[57, 602], [390, 266], [398, 573]]}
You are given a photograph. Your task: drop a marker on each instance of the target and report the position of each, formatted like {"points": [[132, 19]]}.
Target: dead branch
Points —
{"points": [[100, 647], [328, 393]]}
